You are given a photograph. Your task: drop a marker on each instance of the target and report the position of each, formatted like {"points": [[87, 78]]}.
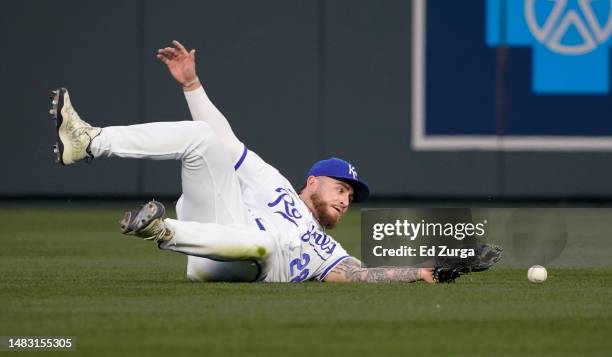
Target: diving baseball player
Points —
{"points": [[239, 219]]}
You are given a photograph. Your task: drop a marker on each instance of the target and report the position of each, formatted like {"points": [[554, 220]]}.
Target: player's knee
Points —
{"points": [[263, 250]]}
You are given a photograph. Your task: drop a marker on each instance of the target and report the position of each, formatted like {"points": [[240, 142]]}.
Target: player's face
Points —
{"points": [[331, 200]]}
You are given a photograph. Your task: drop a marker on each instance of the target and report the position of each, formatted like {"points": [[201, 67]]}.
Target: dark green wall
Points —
{"points": [[298, 80]]}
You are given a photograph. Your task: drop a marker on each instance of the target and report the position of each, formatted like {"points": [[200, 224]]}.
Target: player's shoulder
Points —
{"points": [[258, 175]]}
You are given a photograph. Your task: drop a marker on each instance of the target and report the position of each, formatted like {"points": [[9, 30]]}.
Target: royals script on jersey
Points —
{"points": [[304, 251]]}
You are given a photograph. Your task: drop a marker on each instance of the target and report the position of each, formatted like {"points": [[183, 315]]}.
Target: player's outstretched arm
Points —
{"points": [[181, 64], [350, 270]]}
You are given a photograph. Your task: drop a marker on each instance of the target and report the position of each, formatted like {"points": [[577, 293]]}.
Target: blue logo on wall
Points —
{"points": [[549, 91], [570, 41]]}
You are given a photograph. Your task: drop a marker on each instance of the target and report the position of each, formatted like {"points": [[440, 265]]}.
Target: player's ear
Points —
{"points": [[311, 183]]}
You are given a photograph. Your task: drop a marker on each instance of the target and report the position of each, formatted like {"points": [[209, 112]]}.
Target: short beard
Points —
{"points": [[320, 212]]}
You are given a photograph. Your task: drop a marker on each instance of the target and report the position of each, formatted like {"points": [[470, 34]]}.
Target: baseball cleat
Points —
{"points": [[147, 223], [73, 134]]}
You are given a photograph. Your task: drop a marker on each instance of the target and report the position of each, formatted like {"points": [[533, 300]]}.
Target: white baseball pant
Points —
{"points": [[214, 229]]}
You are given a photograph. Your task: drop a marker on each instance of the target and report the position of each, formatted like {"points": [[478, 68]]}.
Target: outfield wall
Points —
{"points": [[299, 81]]}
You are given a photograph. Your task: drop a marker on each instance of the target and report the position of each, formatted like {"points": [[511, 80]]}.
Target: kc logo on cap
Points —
{"points": [[352, 171], [337, 168]]}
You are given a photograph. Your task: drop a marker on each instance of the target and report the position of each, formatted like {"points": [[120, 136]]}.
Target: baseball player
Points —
{"points": [[239, 219]]}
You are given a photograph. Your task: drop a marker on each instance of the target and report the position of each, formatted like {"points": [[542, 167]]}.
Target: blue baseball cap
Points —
{"points": [[343, 171]]}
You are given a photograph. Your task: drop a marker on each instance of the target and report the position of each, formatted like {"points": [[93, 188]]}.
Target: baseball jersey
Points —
{"points": [[304, 251]]}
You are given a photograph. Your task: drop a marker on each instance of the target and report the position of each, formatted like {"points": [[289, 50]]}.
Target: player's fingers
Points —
{"points": [[192, 54], [179, 47], [176, 53], [169, 52], [164, 54], [162, 58]]}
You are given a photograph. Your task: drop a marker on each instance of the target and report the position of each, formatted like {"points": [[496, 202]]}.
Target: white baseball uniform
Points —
{"points": [[239, 219], [304, 251]]}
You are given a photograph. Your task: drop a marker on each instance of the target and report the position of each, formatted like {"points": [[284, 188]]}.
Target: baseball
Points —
{"points": [[537, 274]]}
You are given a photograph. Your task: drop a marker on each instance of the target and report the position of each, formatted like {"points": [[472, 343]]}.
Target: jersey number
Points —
{"points": [[300, 266]]}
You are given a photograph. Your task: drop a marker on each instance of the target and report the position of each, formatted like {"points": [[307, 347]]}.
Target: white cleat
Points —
{"points": [[147, 223], [73, 134]]}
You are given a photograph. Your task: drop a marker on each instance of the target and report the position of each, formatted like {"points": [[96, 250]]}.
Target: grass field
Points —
{"points": [[68, 271]]}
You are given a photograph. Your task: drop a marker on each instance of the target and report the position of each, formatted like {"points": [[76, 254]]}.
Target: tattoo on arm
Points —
{"points": [[351, 270]]}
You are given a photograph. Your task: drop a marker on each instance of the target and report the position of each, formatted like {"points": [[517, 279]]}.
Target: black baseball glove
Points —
{"points": [[448, 269]]}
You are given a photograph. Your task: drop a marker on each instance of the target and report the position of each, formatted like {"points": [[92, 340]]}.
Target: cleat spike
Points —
{"points": [[52, 111]]}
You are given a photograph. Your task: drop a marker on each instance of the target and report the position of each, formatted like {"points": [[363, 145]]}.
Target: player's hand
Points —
{"points": [[426, 275], [181, 64]]}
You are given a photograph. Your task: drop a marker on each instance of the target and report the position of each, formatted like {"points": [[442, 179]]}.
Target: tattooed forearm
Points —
{"points": [[384, 274], [350, 270]]}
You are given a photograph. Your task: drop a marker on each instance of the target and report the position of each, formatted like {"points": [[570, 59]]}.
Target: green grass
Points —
{"points": [[70, 272]]}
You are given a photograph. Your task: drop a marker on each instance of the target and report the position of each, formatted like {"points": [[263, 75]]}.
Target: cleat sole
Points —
{"points": [[63, 152], [56, 115], [125, 222]]}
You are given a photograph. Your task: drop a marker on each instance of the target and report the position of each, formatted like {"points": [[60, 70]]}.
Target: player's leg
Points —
{"points": [[201, 269], [210, 188], [218, 242], [207, 270], [208, 240]]}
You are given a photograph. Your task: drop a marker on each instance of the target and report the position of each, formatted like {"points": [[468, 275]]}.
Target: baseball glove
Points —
{"points": [[448, 269]]}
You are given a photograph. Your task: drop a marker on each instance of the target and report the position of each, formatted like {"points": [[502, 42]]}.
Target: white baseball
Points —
{"points": [[537, 274]]}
